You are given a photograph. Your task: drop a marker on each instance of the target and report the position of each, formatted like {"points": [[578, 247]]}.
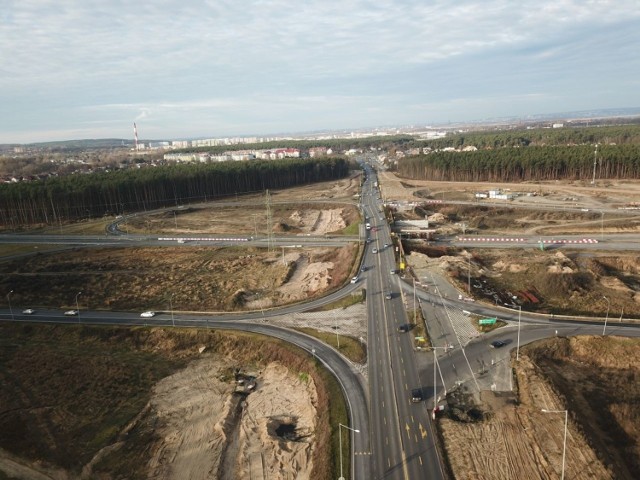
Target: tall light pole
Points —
{"points": [[77, 305], [518, 345], [607, 317], [9, 301], [469, 275], [415, 312], [601, 224], [435, 362], [595, 160], [340, 427], [255, 224], [173, 322], [564, 444]]}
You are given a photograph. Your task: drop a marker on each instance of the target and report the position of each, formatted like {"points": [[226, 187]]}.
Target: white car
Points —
{"points": [[148, 314], [71, 313], [29, 311], [354, 280], [375, 250]]}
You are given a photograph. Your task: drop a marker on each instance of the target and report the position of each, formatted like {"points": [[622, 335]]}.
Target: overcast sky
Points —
{"points": [[73, 69]]}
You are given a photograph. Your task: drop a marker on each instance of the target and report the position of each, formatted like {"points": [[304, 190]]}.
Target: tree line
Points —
{"points": [[526, 164], [608, 135], [81, 196]]}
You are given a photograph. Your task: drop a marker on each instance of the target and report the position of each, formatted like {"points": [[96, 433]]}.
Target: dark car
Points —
{"points": [[498, 343], [388, 296], [404, 328], [416, 395]]}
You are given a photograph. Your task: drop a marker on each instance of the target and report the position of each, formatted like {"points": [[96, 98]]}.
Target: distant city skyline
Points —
{"points": [[75, 69]]}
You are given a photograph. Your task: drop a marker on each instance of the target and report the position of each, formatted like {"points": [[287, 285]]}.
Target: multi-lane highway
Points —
{"points": [[403, 443], [395, 438]]}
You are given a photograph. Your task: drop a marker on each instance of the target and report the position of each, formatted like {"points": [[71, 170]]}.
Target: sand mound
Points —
{"points": [[208, 431], [318, 221]]}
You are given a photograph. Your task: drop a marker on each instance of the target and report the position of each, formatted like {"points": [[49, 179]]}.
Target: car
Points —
{"points": [[363, 268], [354, 279], [375, 250], [498, 344], [393, 271], [416, 395], [388, 296], [386, 245], [71, 313], [29, 311], [148, 314], [369, 240], [404, 328]]}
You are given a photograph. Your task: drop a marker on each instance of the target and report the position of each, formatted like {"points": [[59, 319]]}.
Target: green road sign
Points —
{"points": [[487, 321]]}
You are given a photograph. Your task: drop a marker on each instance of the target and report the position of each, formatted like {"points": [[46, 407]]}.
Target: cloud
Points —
{"points": [[167, 56]]}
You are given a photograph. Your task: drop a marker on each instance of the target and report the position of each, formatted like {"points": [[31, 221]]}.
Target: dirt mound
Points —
{"points": [[127, 279], [318, 221], [204, 427], [79, 400]]}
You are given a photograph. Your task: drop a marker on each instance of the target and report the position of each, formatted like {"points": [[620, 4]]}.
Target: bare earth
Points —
{"points": [[207, 435], [517, 439]]}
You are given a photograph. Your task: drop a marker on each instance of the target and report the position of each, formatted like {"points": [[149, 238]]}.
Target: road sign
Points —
{"points": [[487, 321]]}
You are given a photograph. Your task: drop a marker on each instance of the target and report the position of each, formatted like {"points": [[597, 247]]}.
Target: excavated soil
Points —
{"points": [[595, 378], [208, 431], [113, 403]]}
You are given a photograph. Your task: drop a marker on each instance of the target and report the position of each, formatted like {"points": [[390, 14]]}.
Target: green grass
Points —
{"points": [[352, 229], [349, 347], [338, 414], [342, 303], [419, 330], [475, 319]]}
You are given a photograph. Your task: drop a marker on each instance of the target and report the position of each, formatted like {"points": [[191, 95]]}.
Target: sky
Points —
{"points": [[75, 69]]}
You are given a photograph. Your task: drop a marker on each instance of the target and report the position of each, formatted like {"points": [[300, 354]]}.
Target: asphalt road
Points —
{"points": [[395, 439], [352, 382], [403, 442]]}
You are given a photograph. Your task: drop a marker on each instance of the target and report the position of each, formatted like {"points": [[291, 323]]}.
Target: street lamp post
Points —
{"points": [[607, 316], [415, 311], [469, 275], [518, 345], [173, 322], [435, 363], [9, 301], [340, 427], [78, 305], [601, 224], [564, 444]]}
